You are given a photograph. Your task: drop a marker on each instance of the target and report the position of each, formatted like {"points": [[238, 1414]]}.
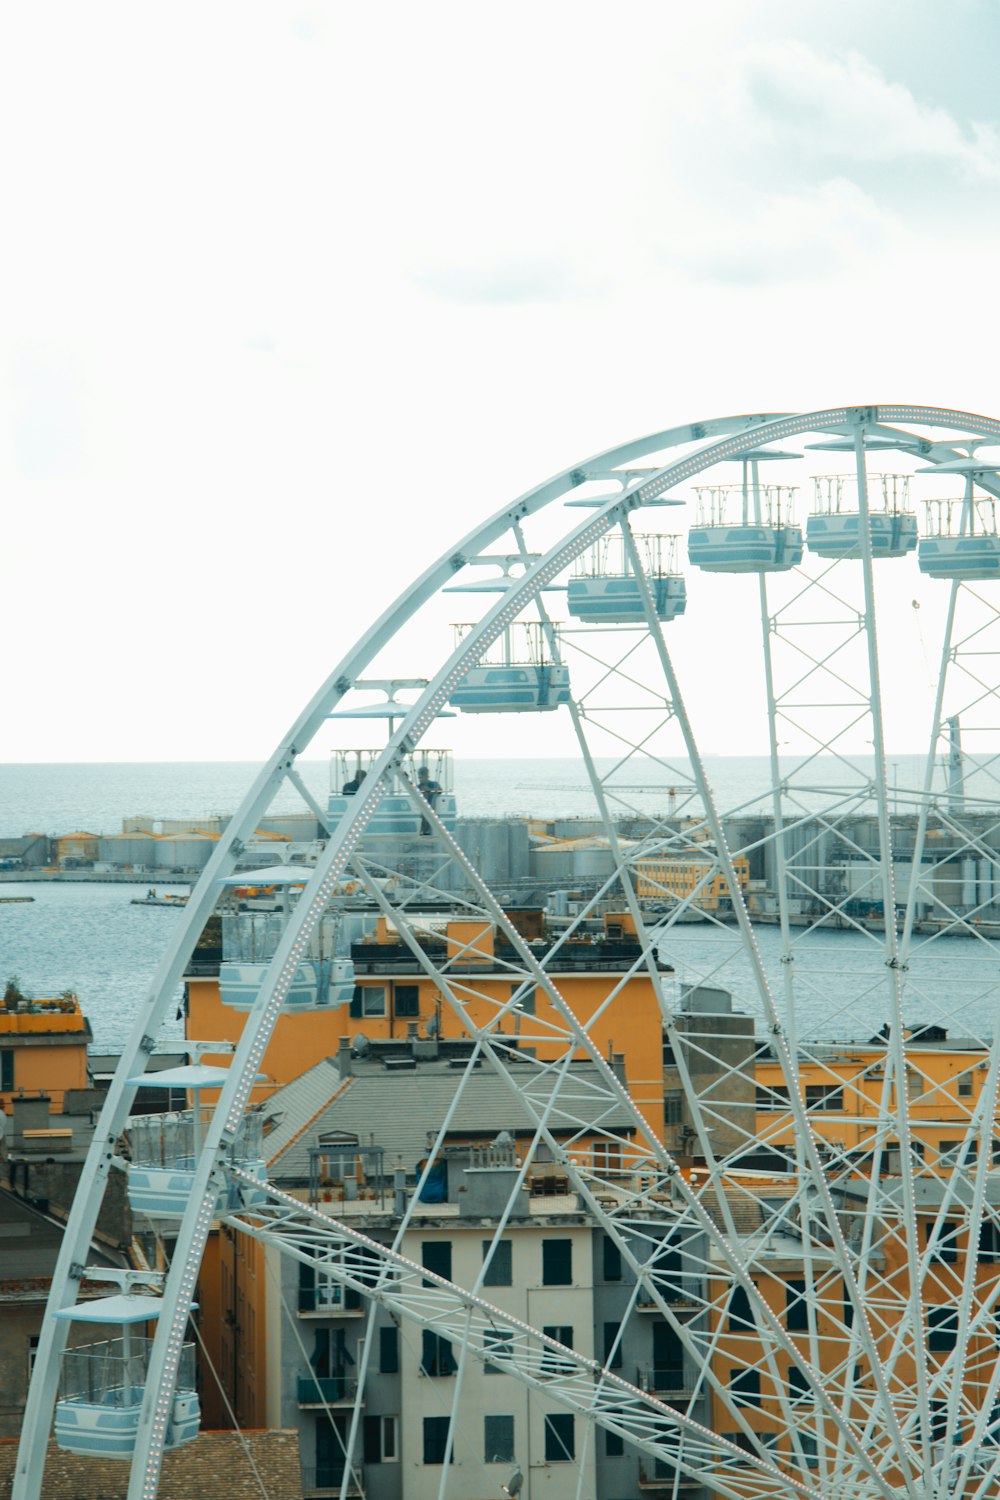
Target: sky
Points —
{"points": [[294, 293]]}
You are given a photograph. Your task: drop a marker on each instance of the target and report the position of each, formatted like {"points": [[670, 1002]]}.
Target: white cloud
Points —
{"points": [[844, 109], [783, 237]]}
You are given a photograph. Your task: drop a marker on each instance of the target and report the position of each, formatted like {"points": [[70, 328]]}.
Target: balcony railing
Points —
{"points": [[317, 1484], [664, 1380], [661, 1474], [325, 1390]]}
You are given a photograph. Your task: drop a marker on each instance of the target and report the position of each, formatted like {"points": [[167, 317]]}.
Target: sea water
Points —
{"points": [[92, 939]]}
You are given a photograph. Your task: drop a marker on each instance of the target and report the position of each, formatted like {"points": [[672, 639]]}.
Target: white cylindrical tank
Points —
{"points": [[552, 862], [184, 851], [968, 882], [592, 859], [129, 850], [984, 894]]}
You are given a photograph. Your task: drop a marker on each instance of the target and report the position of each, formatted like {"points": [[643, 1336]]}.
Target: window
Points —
{"points": [[965, 1086], [501, 1344], [388, 1351], [607, 1156], [527, 1000], [673, 1107], [436, 1356], [798, 1387], [989, 1243], [612, 1260], [612, 1350], [6, 1069], [942, 1329], [740, 1316], [32, 1351], [500, 1270], [809, 1453], [380, 1440], [745, 1385], [796, 1308], [939, 1419], [560, 1444], [614, 1445], [406, 999], [435, 1255], [914, 1083], [551, 1363], [436, 1439], [373, 999], [557, 1262], [824, 1096], [945, 1248], [950, 1152], [498, 1440], [775, 1096], [743, 1441]]}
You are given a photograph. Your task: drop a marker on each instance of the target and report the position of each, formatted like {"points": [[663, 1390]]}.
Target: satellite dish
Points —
{"points": [[504, 1139], [434, 1025], [361, 1046], [513, 1485]]}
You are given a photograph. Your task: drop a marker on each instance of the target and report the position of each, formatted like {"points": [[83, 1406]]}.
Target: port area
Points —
{"points": [[87, 877]]}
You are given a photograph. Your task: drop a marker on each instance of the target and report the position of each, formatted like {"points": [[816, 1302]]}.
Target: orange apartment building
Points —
{"points": [[43, 1049], [394, 999]]}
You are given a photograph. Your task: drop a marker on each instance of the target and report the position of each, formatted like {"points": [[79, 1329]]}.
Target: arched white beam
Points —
{"points": [[80, 1228]]}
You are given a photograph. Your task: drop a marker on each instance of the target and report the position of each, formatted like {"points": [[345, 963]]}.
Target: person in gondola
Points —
{"points": [[350, 787], [430, 791]]}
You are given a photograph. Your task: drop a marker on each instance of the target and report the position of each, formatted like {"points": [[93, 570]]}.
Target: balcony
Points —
{"points": [[684, 1295], [326, 1390], [330, 1300], [324, 1482], [665, 1381], [660, 1474]]}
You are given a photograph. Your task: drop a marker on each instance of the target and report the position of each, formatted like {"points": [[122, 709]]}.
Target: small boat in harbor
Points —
{"points": [[152, 899]]}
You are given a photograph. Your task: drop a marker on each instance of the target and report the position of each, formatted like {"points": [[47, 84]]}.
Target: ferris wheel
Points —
{"points": [[807, 1205]]}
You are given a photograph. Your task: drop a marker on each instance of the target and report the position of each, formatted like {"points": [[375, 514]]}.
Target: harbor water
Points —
{"points": [[92, 939]]}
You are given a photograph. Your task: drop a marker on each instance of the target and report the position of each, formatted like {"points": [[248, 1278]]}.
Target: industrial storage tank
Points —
{"points": [[184, 851], [302, 827], [593, 859], [82, 848], [552, 862], [206, 823], [129, 850]]}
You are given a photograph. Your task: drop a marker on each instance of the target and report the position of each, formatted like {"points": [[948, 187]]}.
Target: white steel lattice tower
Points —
{"points": [[804, 1200]]}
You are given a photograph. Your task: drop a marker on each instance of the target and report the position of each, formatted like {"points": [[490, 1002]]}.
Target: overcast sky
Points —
{"points": [[293, 293]]}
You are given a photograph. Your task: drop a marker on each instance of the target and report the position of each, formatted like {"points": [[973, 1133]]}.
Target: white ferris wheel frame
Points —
{"points": [[604, 1397]]}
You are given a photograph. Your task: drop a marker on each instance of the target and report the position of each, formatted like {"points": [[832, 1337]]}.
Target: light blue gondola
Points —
{"points": [[318, 984], [746, 527], [745, 549], [395, 816], [618, 601], [101, 1385], [165, 1147], [512, 688], [961, 539], [834, 529], [965, 558], [839, 535]]}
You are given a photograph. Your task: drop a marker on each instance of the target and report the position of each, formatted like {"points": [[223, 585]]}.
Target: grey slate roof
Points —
{"points": [[398, 1110]]}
